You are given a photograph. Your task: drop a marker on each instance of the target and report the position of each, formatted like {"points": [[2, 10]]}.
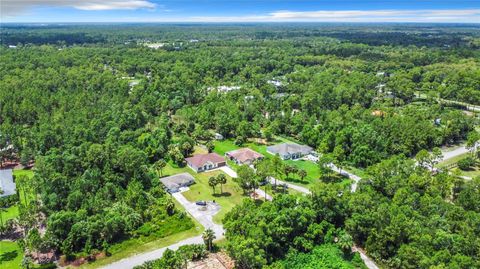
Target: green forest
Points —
{"points": [[98, 113]]}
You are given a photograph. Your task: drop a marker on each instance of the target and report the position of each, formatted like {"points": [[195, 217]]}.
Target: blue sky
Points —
{"points": [[239, 11]]}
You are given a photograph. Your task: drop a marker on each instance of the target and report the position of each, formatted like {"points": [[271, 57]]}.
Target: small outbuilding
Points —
{"points": [[205, 162], [174, 183], [288, 151], [243, 156], [7, 185]]}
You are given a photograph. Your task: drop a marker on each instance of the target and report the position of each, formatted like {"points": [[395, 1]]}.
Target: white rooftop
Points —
{"points": [[6, 183]]}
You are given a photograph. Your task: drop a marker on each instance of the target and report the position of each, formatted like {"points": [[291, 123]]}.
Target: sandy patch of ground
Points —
{"points": [[213, 261]]}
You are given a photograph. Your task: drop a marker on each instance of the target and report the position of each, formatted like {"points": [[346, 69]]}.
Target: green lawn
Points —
{"points": [[313, 171], [9, 213], [10, 255], [356, 171], [452, 160], [474, 172], [232, 193], [23, 172], [12, 212]]}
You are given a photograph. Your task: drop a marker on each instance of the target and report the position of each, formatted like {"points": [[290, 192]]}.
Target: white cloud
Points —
{"points": [[16, 7], [454, 15]]}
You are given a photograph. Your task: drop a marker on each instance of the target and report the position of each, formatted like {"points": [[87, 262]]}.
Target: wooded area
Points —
{"points": [[100, 114]]}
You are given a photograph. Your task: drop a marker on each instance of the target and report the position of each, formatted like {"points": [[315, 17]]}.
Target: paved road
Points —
{"points": [[139, 259], [290, 185], [467, 105], [354, 177], [204, 217], [449, 154]]}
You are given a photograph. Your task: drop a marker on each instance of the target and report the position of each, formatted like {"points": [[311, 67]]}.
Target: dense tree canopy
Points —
{"points": [[100, 113]]}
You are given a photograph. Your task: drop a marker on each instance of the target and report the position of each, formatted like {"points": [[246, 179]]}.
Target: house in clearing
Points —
{"points": [[288, 151], [204, 162], [243, 156], [7, 185], [174, 183]]}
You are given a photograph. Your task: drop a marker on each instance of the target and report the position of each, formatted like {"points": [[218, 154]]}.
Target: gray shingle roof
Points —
{"points": [[289, 148], [173, 183]]}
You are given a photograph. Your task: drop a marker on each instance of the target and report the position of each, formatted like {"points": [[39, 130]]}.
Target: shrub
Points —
{"points": [[466, 163]]}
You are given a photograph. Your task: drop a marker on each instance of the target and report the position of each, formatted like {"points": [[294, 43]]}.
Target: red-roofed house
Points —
{"points": [[204, 162], [243, 156]]}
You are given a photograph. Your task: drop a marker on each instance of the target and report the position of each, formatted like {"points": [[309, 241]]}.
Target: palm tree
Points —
{"points": [[345, 242], [277, 166], [265, 189], [208, 236], [302, 173], [221, 179], [159, 165], [26, 262], [170, 207], [212, 182]]}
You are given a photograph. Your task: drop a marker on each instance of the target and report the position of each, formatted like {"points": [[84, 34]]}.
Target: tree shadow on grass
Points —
{"points": [[296, 180], [8, 256], [224, 194]]}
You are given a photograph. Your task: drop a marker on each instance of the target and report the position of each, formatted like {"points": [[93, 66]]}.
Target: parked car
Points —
{"points": [[201, 203]]}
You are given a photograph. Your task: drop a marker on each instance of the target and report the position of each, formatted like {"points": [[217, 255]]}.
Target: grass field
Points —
{"points": [[232, 193], [10, 255], [474, 172], [12, 212], [313, 171]]}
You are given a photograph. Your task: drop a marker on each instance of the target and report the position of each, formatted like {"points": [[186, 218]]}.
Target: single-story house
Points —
{"points": [[243, 156], [175, 182], [204, 162], [288, 151], [7, 185]]}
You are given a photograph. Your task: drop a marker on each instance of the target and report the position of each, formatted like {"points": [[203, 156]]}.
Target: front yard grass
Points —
{"points": [[312, 169], [10, 255], [473, 172], [13, 211], [200, 191]]}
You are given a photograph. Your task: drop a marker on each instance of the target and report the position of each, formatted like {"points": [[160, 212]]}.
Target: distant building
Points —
{"points": [[274, 82], [288, 151], [383, 74], [205, 162], [224, 88], [243, 156], [218, 136], [174, 183], [7, 185]]}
